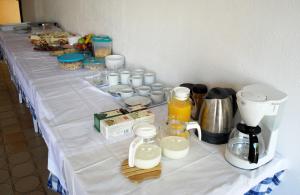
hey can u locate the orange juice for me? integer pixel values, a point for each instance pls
(180, 110)
(177, 128)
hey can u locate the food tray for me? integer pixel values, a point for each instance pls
(106, 89)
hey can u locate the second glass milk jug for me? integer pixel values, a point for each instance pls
(179, 105)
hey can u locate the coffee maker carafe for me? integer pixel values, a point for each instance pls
(253, 142)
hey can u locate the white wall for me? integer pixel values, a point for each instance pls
(32, 10)
(220, 43)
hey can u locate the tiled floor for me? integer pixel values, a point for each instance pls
(23, 153)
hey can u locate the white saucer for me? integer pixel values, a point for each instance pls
(134, 100)
(117, 88)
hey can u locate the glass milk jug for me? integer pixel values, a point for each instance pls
(179, 105)
(144, 151)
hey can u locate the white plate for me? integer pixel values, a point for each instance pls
(117, 88)
(131, 101)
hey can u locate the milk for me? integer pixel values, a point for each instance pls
(147, 156)
(175, 147)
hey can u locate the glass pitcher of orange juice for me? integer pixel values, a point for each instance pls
(181, 129)
(180, 105)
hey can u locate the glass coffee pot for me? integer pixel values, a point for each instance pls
(144, 151)
(246, 143)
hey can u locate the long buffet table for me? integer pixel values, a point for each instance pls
(63, 105)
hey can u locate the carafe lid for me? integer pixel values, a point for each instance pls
(181, 93)
(144, 130)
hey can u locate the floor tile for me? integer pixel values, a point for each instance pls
(2, 151)
(18, 158)
(39, 152)
(14, 137)
(4, 175)
(27, 184)
(6, 189)
(3, 164)
(22, 170)
(11, 129)
(30, 134)
(8, 122)
(37, 193)
(16, 147)
(35, 142)
(23, 153)
(8, 114)
(6, 108)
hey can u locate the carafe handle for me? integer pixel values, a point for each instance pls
(194, 125)
(132, 150)
(253, 149)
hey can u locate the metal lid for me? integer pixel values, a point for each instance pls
(144, 130)
(217, 93)
(181, 93)
(70, 57)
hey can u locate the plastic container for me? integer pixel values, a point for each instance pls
(72, 61)
(94, 64)
(102, 46)
(180, 106)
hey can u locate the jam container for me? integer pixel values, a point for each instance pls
(102, 46)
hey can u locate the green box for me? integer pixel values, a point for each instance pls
(98, 117)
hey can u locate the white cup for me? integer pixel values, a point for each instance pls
(144, 90)
(157, 97)
(126, 93)
(149, 78)
(113, 78)
(157, 86)
(138, 71)
(125, 74)
(135, 81)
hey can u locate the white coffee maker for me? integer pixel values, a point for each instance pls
(253, 142)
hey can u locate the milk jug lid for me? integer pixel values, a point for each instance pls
(144, 130)
(181, 93)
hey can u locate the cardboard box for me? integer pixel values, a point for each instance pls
(114, 123)
(116, 126)
(143, 116)
(105, 115)
(137, 107)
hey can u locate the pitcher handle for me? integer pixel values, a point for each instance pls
(194, 125)
(132, 150)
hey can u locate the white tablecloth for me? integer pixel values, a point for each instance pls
(85, 162)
